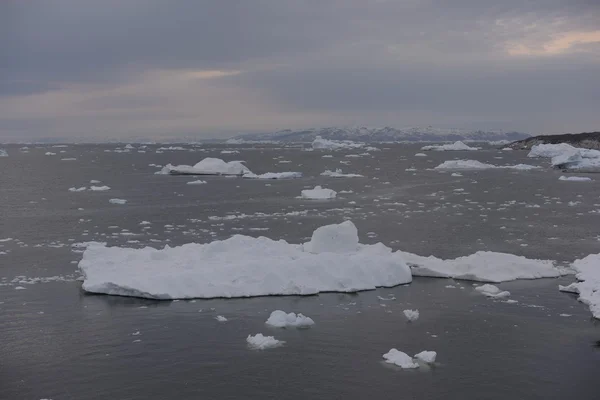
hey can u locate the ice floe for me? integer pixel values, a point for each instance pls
(411, 315)
(318, 193)
(117, 201)
(99, 188)
(492, 291)
(260, 342)
(427, 357)
(588, 286)
(566, 157)
(324, 144)
(474, 165)
(400, 359)
(243, 266)
(273, 175)
(281, 319)
(339, 174)
(483, 266)
(198, 182)
(456, 146)
(3, 153)
(574, 178)
(208, 166)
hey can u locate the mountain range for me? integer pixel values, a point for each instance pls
(386, 134)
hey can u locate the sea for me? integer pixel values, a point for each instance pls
(58, 342)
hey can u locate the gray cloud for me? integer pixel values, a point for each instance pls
(94, 68)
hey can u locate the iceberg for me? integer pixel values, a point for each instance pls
(99, 188)
(574, 178)
(117, 201)
(273, 175)
(208, 166)
(260, 342)
(280, 319)
(198, 182)
(587, 272)
(3, 153)
(427, 357)
(566, 157)
(483, 266)
(492, 291)
(318, 193)
(400, 359)
(411, 315)
(323, 144)
(244, 266)
(456, 146)
(339, 174)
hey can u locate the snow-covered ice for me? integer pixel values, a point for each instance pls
(566, 157)
(400, 359)
(420, 155)
(221, 318)
(318, 193)
(574, 178)
(99, 188)
(273, 175)
(244, 266)
(198, 182)
(260, 342)
(456, 146)
(411, 315)
(588, 286)
(339, 174)
(475, 165)
(484, 266)
(281, 319)
(208, 166)
(77, 189)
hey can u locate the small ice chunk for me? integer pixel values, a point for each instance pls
(117, 201)
(492, 291)
(411, 315)
(318, 193)
(260, 342)
(279, 319)
(221, 318)
(427, 357)
(400, 359)
(197, 182)
(99, 188)
(77, 189)
(574, 178)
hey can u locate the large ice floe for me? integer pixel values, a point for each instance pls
(566, 157)
(260, 342)
(456, 146)
(325, 144)
(318, 193)
(483, 266)
(3, 153)
(339, 174)
(208, 166)
(588, 286)
(243, 266)
(475, 165)
(281, 319)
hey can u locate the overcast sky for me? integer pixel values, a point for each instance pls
(156, 69)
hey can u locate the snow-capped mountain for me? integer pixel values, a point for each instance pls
(385, 134)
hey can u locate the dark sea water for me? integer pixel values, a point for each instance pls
(58, 342)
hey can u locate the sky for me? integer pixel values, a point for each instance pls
(155, 69)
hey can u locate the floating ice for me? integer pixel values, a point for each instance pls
(484, 266)
(400, 359)
(456, 146)
(99, 188)
(318, 193)
(3, 153)
(588, 286)
(77, 189)
(244, 266)
(492, 291)
(208, 166)
(117, 201)
(198, 182)
(567, 157)
(339, 174)
(260, 342)
(575, 178)
(280, 319)
(411, 315)
(427, 357)
(420, 155)
(273, 175)
(474, 164)
(221, 318)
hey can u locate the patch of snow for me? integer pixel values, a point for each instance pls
(456, 146)
(318, 193)
(244, 266)
(260, 342)
(280, 319)
(484, 266)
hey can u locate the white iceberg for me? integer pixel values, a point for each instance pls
(78, 189)
(427, 357)
(117, 201)
(574, 178)
(420, 155)
(588, 286)
(474, 165)
(456, 146)
(198, 182)
(318, 193)
(400, 359)
(339, 174)
(411, 315)
(281, 319)
(260, 342)
(550, 150)
(492, 291)
(3, 153)
(99, 188)
(221, 318)
(244, 266)
(324, 144)
(273, 175)
(566, 157)
(208, 166)
(483, 266)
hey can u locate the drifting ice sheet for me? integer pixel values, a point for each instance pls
(483, 266)
(318, 193)
(244, 266)
(588, 287)
(274, 175)
(208, 166)
(575, 178)
(456, 146)
(3, 153)
(566, 157)
(339, 174)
